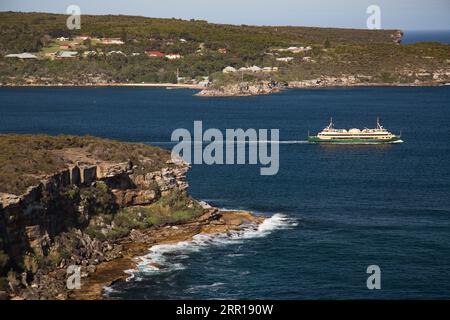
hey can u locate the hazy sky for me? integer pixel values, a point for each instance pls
(402, 14)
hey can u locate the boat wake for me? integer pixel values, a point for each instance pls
(237, 142)
(169, 257)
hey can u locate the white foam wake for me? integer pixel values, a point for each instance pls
(237, 142)
(397, 141)
(169, 257)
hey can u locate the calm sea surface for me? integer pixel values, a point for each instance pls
(442, 36)
(334, 210)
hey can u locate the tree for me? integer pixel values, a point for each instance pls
(88, 43)
(124, 35)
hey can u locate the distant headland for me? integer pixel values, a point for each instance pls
(36, 49)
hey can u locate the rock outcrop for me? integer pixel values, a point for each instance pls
(243, 89)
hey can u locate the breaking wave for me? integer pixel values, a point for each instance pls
(168, 257)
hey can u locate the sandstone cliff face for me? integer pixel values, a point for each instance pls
(48, 222)
(397, 36)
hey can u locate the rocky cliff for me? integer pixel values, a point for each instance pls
(76, 215)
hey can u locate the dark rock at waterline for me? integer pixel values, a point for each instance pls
(4, 295)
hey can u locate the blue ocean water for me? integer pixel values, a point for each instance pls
(414, 36)
(335, 209)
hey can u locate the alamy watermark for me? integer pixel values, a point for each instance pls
(228, 148)
(374, 19)
(74, 19)
(74, 277)
(374, 280)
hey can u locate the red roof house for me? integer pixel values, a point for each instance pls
(156, 54)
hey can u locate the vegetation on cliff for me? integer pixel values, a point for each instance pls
(25, 159)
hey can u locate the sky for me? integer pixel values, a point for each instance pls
(395, 14)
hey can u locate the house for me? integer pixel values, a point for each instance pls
(183, 40)
(294, 49)
(254, 69)
(222, 50)
(62, 39)
(66, 54)
(154, 54)
(82, 38)
(116, 52)
(229, 69)
(173, 56)
(285, 59)
(64, 47)
(24, 55)
(270, 69)
(111, 41)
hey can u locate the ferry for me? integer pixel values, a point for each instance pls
(330, 135)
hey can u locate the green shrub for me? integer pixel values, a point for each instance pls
(3, 283)
(95, 233)
(3, 260)
(131, 218)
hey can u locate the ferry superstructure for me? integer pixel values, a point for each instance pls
(354, 135)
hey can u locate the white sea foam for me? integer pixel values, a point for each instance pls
(166, 257)
(108, 290)
(210, 287)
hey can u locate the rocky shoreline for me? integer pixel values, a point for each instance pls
(139, 243)
(264, 88)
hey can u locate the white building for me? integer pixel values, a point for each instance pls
(116, 52)
(285, 59)
(229, 69)
(270, 69)
(67, 54)
(111, 41)
(173, 56)
(24, 55)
